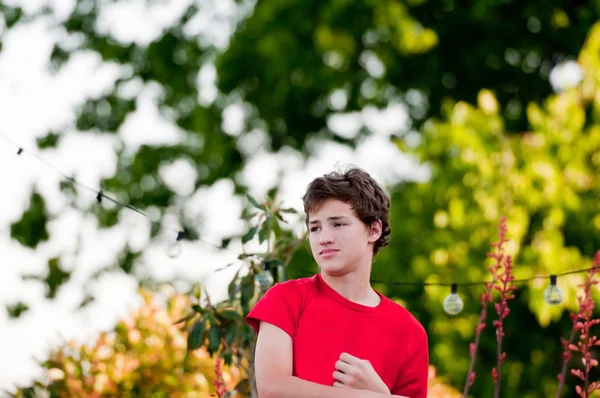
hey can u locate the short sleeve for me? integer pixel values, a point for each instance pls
(279, 306)
(413, 377)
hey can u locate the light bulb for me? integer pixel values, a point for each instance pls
(173, 249)
(553, 295)
(263, 280)
(453, 304)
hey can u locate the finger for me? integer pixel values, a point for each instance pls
(340, 385)
(343, 366)
(341, 377)
(349, 358)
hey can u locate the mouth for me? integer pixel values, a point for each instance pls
(327, 252)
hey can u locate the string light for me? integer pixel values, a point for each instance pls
(553, 295)
(173, 249)
(453, 304)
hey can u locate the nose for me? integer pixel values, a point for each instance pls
(325, 237)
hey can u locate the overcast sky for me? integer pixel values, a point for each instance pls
(33, 102)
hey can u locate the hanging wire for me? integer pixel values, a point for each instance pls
(513, 282)
(101, 195)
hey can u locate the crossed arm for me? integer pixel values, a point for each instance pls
(273, 364)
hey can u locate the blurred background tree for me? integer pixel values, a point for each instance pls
(476, 81)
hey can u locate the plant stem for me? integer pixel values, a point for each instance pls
(498, 362)
(251, 374)
(482, 317)
(566, 356)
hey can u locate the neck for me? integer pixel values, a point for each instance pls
(354, 286)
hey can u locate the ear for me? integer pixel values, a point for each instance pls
(375, 231)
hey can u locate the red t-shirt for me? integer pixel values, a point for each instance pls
(323, 324)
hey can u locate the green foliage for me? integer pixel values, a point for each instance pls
(17, 309)
(11, 15)
(546, 183)
(31, 229)
(54, 278)
(51, 140)
(104, 114)
(221, 327)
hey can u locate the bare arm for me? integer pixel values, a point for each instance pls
(273, 368)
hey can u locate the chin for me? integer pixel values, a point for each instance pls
(333, 269)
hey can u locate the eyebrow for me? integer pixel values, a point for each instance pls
(335, 218)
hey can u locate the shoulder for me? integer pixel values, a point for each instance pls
(405, 320)
(282, 305)
(294, 286)
(293, 289)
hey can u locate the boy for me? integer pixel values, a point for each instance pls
(332, 335)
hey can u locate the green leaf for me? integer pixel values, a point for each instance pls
(214, 339)
(247, 292)
(263, 234)
(249, 235)
(280, 218)
(197, 291)
(196, 335)
(227, 358)
(197, 308)
(233, 287)
(243, 387)
(276, 263)
(185, 318)
(230, 315)
(255, 203)
(290, 211)
(231, 335)
(248, 216)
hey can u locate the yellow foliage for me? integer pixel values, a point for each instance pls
(406, 34)
(143, 356)
(437, 389)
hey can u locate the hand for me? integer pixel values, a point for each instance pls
(356, 373)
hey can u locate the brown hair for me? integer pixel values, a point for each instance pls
(357, 188)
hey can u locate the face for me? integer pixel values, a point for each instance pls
(340, 242)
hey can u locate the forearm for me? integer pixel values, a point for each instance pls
(294, 387)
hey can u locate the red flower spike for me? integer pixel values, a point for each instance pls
(501, 278)
(582, 324)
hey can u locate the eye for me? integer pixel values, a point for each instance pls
(314, 229)
(338, 224)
